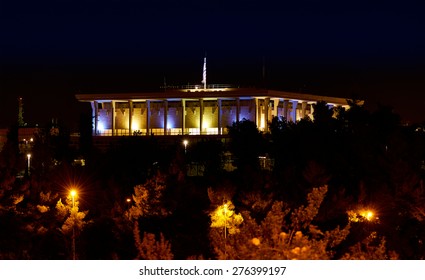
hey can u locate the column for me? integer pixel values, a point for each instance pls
(201, 115)
(148, 116)
(294, 110)
(219, 116)
(113, 117)
(312, 110)
(95, 114)
(257, 112)
(285, 109)
(183, 116)
(130, 117)
(275, 107)
(165, 116)
(303, 108)
(238, 109)
(266, 113)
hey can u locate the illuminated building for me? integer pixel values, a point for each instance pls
(195, 110)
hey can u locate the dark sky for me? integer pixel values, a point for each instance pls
(50, 50)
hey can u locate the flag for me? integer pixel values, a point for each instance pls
(204, 73)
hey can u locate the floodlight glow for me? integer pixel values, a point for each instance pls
(135, 125)
(100, 126)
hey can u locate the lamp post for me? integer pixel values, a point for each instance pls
(29, 163)
(128, 200)
(73, 194)
(225, 220)
(185, 142)
(225, 229)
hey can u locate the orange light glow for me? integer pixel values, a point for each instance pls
(368, 215)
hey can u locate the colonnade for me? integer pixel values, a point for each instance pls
(265, 109)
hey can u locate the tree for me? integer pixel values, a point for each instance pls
(86, 139)
(151, 249)
(322, 114)
(246, 143)
(275, 238)
(73, 220)
(148, 199)
(149, 203)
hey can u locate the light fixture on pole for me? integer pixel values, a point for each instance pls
(29, 163)
(128, 200)
(73, 194)
(185, 142)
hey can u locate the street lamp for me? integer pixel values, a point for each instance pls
(225, 219)
(29, 163)
(128, 200)
(367, 214)
(73, 194)
(225, 207)
(185, 142)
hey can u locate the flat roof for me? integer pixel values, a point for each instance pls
(178, 94)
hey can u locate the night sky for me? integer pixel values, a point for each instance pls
(51, 50)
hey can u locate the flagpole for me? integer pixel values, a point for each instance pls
(204, 73)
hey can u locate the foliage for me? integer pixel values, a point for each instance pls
(371, 248)
(149, 248)
(258, 202)
(364, 159)
(273, 238)
(322, 114)
(246, 143)
(225, 217)
(207, 153)
(304, 215)
(148, 199)
(70, 215)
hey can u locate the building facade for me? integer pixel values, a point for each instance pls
(193, 110)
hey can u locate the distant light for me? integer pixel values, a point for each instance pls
(28, 156)
(73, 193)
(128, 200)
(255, 241)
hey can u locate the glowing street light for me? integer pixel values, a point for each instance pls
(128, 201)
(367, 214)
(73, 195)
(185, 142)
(29, 163)
(362, 215)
